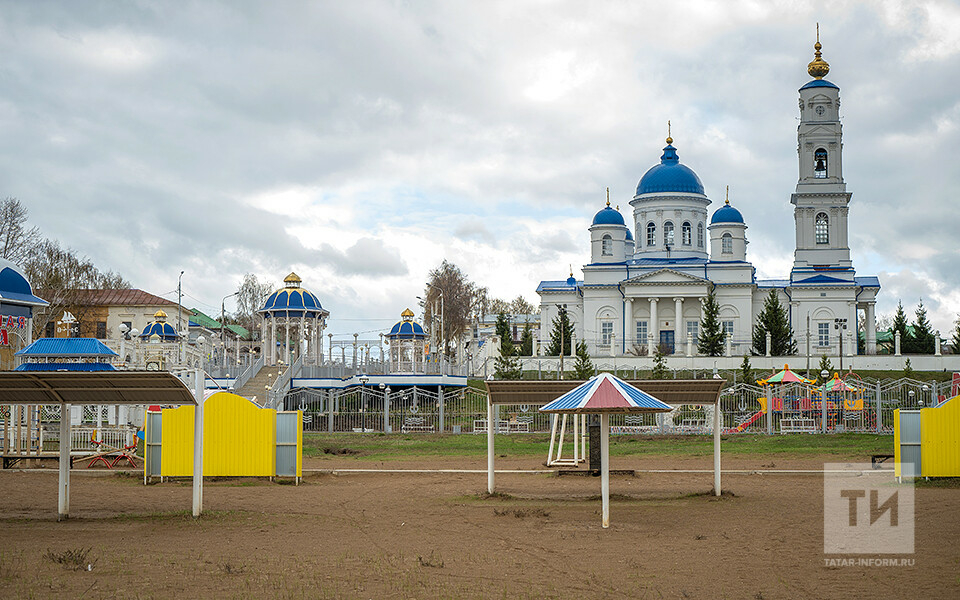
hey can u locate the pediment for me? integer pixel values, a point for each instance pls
(666, 276)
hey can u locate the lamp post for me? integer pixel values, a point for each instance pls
(840, 325)
(926, 388)
(180, 308)
(223, 340)
(442, 341)
(123, 346)
(363, 396)
(911, 394)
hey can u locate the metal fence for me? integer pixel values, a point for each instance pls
(794, 408)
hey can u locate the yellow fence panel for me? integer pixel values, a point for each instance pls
(940, 439)
(239, 439)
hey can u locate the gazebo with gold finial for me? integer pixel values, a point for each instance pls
(299, 313)
(407, 340)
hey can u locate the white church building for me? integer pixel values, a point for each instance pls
(649, 274)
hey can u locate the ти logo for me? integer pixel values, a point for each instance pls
(866, 511)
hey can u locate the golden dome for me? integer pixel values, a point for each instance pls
(292, 280)
(160, 315)
(818, 68)
(407, 314)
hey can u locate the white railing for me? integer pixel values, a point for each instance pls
(282, 384)
(82, 438)
(248, 374)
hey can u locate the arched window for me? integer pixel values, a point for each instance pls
(687, 234)
(606, 245)
(726, 243)
(699, 235)
(651, 234)
(821, 229)
(820, 164)
(668, 233)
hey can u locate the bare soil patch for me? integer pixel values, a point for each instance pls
(387, 535)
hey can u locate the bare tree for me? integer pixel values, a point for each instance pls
(17, 240)
(250, 297)
(520, 306)
(458, 300)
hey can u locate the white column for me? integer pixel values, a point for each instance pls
(490, 426)
(716, 448)
(678, 302)
(63, 489)
(853, 347)
(286, 330)
(936, 343)
(302, 337)
(654, 328)
(689, 344)
(870, 327)
(896, 343)
(605, 466)
(273, 340)
(198, 443)
(629, 329)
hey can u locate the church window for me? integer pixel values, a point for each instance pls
(641, 332)
(606, 332)
(606, 246)
(726, 243)
(668, 233)
(822, 228)
(693, 328)
(823, 334)
(686, 234)
(651, 234)
(699, 235)
(727, 327)
(820, 164)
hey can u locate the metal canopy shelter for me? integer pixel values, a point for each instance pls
(106, 388)
(675, 392)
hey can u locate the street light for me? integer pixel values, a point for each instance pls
(442, 354)
(223, 340)
(180, 307)
(840, 325)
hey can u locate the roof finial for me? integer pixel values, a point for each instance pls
(669, 138)
(571, 269)
(818, 68)
(608, 196)
(727, 203)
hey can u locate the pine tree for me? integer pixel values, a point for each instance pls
(900, 324)
(526, 340)
(507, 365)
(923, 341)
(660, 370)
(712, 336)
(583, 368)
(907, 369)
(955, 343)
(746, 373)
(824, 365)
(773, 318)
(561, 328)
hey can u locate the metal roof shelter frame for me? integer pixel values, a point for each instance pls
(676, 392)
(104, 388)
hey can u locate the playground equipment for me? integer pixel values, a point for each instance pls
(240, 439)
(927, 441)
(579, 441)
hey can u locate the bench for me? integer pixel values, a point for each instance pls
(798, 425)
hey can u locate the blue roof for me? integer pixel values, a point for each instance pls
(15, 287)
(726, 214)
(773, 283)
(67, 347)
(670, 176)
(66, 367)
(821, 279)
(292, 301)
(867, 281)
(608, 216)
(820, 83)
(629, 235)
(165, 330)
(407, 330)
(570, 284)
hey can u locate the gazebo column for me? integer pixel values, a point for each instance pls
(286, 344)
(605, 466)
(302, 337)
(716, 448)
(63, 489)
(273, 340)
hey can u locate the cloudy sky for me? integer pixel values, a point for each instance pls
(361, 143)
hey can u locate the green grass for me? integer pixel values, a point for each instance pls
(380, 447)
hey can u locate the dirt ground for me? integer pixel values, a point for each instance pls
(438, 536)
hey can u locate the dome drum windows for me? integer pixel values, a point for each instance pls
(821, 228)
(651, 234)
(686, 234)
(668, 233)
(820, 164)
(726, 243)
(606, 246)
(699, 235)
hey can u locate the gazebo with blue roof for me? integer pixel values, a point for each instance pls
(17, 302)
(294, 308)
(66, 354)
(406, 340)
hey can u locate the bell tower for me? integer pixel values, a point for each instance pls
(821, 200)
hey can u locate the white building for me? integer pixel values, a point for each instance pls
(645, 281)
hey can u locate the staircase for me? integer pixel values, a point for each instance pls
(258, 383)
